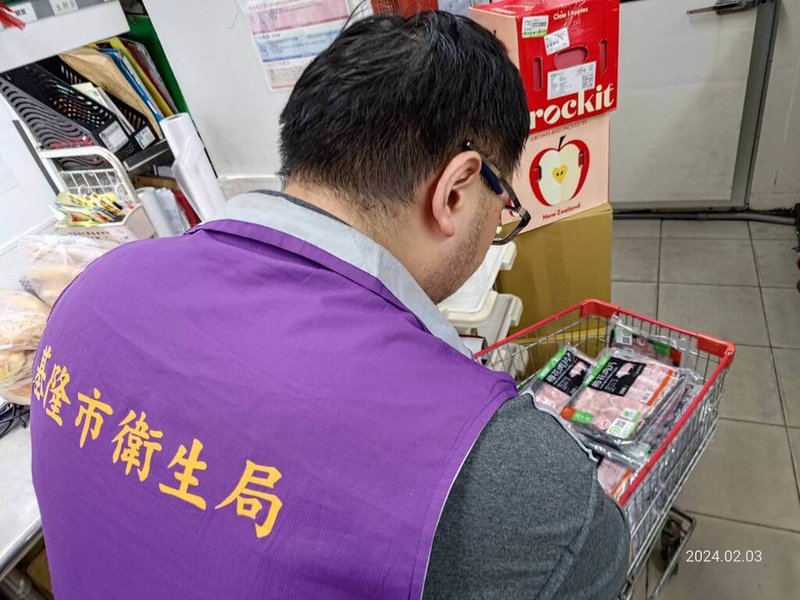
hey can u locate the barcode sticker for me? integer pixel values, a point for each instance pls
(24, 12)
(558, 40)
(114, 137)
(570, 80)
(145, 137)
(62, 6)
(534, 26)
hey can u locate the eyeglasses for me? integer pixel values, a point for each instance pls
(518, 218)
(12, 415)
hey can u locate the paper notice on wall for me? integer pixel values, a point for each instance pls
(290, 33)
(283, 74)
(570, 80)
(299, 42)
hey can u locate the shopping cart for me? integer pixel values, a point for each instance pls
(648, 501)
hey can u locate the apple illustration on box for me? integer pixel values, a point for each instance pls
(558, 174)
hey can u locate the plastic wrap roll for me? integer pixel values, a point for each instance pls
(157, 216)
(177, 219)
(192, 168)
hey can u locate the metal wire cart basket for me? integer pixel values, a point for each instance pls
(648, 501)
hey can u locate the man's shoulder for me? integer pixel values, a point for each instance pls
(525, 510)
(531, 447)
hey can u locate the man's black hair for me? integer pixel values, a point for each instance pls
(393, 99)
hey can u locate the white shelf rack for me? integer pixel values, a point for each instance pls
(55, 34)
(475, 304)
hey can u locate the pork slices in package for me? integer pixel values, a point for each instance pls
(661, 348)
(622, 395)
(555, 383)
(614, 477)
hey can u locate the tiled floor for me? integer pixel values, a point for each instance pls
(737, 281)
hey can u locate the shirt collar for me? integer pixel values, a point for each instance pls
(313, 225)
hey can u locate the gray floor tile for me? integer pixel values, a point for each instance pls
(787, 364)
(728, 312)
(775, 577)
(751, 392)
(637, 228)
(640, 588)
(777, 263)
(639, 297)
(746, 474)
(783, 316)
(726, 262)
(770, 231)
(721, 230)
(635, 260)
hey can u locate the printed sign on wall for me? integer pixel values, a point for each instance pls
(290, 33)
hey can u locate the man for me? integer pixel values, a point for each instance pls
(271, 406)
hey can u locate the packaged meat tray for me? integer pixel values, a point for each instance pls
(622, 394)
(613, 477)
(663, 349)
(555, 383)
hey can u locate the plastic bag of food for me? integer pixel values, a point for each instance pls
(22, 320)
(622, 396)
(555, 383)
(53, 261)
(668, 350)
(16, 375)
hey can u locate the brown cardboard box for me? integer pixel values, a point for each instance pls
(560, 264)
(40, 574)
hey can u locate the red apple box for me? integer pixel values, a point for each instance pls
(564, 171)
(566, 51)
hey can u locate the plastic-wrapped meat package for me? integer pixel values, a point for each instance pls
(555, 383)
(661, 348)
(622, 395)
(613, 477)
(668, 419)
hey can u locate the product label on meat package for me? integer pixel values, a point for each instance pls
(621, 428)
(622, 336)
(565, 371)
(615, 375)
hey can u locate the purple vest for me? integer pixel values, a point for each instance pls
(236, 413)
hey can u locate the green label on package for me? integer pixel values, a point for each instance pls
(583, 417)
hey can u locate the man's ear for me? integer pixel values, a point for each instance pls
(448, 196)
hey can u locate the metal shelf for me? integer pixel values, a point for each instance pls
(43, 37)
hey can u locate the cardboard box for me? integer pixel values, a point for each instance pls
(566, 52)
(561, 264)
(564, 171)
(39, 573)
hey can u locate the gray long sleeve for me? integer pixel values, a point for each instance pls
(526, 518)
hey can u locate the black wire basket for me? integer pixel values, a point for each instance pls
(143, 133)
(61, 117)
